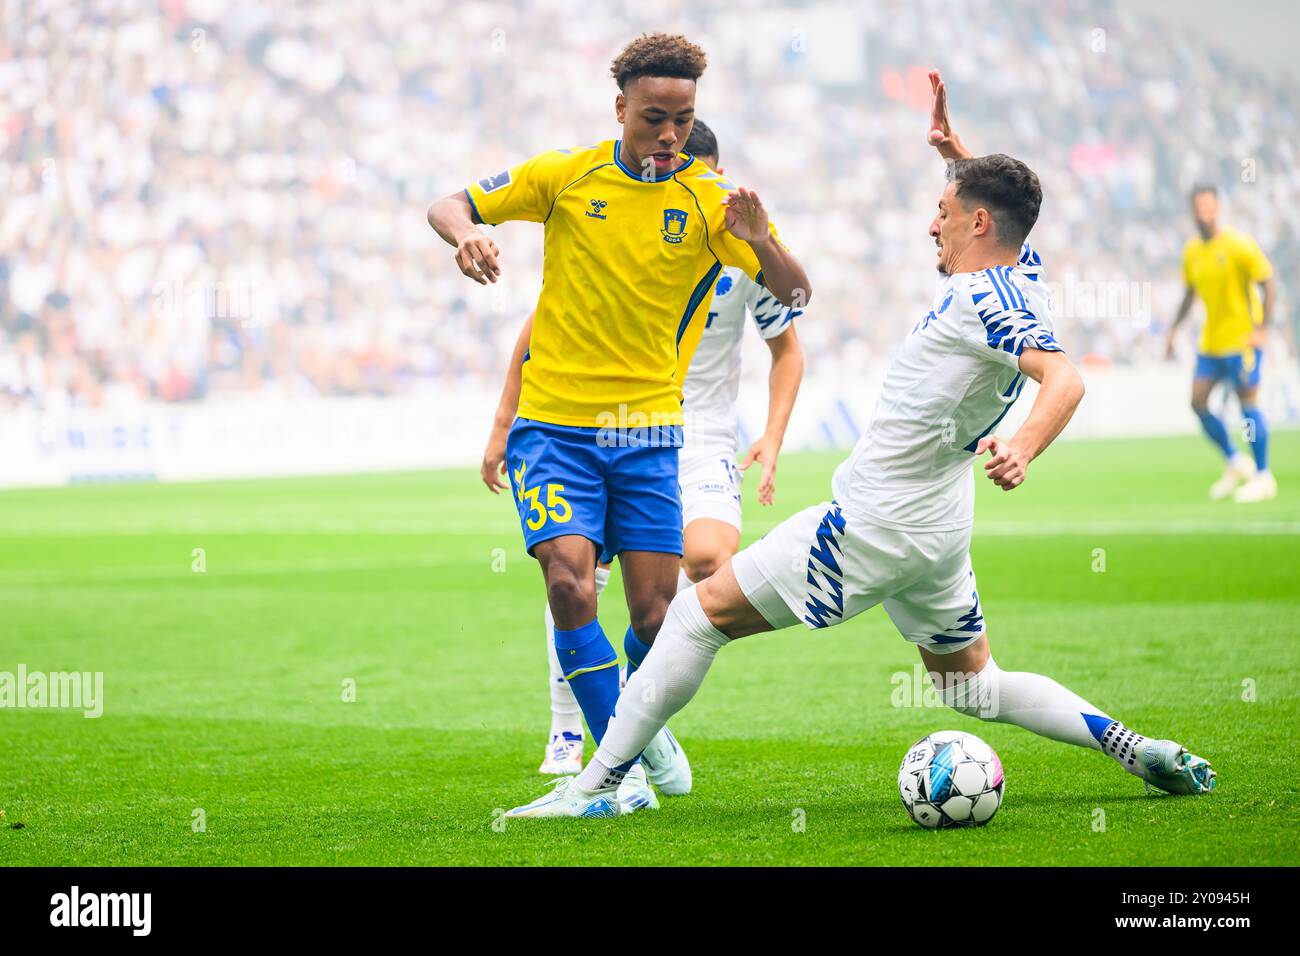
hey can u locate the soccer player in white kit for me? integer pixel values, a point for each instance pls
(710, 474)
(898, 529)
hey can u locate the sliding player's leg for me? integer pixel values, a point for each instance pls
(811, 565)
(818, 566)
(1238, 468)
(1263, 486)
(941, 614)
(710, 496)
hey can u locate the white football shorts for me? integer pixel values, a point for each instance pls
(710, 485)
(822, 567)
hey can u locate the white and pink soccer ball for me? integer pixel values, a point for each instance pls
(951, 779)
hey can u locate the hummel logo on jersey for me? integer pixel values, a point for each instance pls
(596, 206)
(495, 182)
(674, 229)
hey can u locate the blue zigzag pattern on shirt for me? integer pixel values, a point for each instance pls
(771, 316)
(1030, 264)
(1009, 323)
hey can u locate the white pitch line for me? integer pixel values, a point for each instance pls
(443, 529)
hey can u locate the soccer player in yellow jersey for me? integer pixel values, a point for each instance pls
(637, 233)
(1226, 269)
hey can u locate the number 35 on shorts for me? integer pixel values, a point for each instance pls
(556, 508)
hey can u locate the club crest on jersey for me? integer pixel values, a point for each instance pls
(674, 229)
(596, 210)
(724, 286)
(495, 182)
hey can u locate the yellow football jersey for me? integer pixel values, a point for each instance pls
(629, 264)
(1224, 272)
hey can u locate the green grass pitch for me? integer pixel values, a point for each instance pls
(224, 690)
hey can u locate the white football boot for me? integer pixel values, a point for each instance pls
(1169, 767)
(563, 754)
(666, 764)
(1239, 471)
(1263, 487)
(635, 792)
(567, 799)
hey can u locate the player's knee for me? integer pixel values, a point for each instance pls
(569, 594)
(1200, 405)
(647, 617)
(973, 693)
(704, 563)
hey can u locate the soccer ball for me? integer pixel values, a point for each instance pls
(951, 779)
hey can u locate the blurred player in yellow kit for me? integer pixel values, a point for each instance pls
(1226, 269)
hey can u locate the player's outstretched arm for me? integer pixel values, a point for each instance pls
(942, 137)
(1269, 289)
(1059, 393)
(452, 218)
(782, 387)
(494, 456)
(782, 274)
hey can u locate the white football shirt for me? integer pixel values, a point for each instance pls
(950, 384)
(713, 378)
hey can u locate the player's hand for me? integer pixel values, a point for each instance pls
(493, 469)
(1008, 465)
(1258, 337)
(942, 137)
(746, 217)
(476, 255)
(764, 451)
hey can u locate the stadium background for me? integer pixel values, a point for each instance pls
(214, 261)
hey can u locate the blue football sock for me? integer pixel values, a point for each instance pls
(591, 668)
(1218, 434)
(1259, 442)
(635, 651)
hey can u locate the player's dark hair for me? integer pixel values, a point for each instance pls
(658, 54)
(1006, 187)
(702, 142)
(1210, 188)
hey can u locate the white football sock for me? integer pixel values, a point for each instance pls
(566, 715)
(1041, 705)
(666, 680)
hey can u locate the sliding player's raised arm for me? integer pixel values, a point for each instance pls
(942, 137)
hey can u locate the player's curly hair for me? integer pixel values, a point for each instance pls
(658, 54)
(1007, 188)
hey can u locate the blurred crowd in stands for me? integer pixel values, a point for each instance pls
(202, 198)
